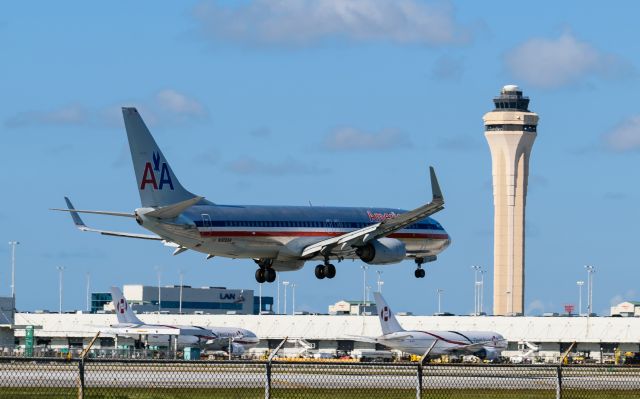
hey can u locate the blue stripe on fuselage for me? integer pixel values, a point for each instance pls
(295, 216)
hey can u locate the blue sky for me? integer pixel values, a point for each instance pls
(333, 102)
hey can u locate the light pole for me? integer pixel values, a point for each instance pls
(13, 271)
(278, 297)
(580, 283)
(590, 270)
(482, 291)
(181, 284)
(286, 284)
(293, 299)
(159, 272)
(60, 271)
(88, 289)
(440, 291)
(364, 287)
(259, 298)
(476, 290)
(379, 272)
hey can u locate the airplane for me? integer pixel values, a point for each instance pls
(218, 338)
(483, 344)
(277, 238)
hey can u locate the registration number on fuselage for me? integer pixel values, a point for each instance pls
(224, 239)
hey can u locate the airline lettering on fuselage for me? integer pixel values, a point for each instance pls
(228, 296)
(149, 177)
(380, 217)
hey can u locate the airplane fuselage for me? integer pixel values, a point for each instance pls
(214, 339)
(281, 232)
(446, 342)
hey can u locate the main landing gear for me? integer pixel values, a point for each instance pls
(419, 272)
(265, 272)
(327, 270)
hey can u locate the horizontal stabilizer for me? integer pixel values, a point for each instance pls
(77, 220)
(172, 211)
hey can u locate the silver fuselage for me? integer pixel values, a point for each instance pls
(281, 232)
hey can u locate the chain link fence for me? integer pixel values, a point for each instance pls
(141, 379)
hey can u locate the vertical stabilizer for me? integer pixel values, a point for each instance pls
(388, 320)
(123, 312)
(157, 184)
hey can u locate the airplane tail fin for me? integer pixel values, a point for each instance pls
(157, 184)
(123, 311)
(388, 320)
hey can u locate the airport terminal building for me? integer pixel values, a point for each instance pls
(595, 337)
(185, 300)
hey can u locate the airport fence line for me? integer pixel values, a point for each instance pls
(124, 378)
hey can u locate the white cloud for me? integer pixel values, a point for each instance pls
(348, 138)
(178, 103)
(300, 22)
(168, 106)
(252, 166)
(625, 136)
(550, 63)
(74, 114)
(535, 307)
(448, 68)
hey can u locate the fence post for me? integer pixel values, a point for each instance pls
(559, 382)
(81, 378)
(419, 385)
(267, 384)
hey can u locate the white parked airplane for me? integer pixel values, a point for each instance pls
(219, 338)
(483, 344)
(277, 238)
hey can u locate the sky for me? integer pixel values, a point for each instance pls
(333, 102)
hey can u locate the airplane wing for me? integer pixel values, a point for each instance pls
(382, 229)
(83, 227)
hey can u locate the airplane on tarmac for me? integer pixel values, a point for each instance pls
(483, 344)
(218, 338)
(277, 238)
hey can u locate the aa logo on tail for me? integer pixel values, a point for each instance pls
(149, 176)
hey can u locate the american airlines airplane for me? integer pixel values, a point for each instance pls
(277, 238)
(483, 344)
(218, 338)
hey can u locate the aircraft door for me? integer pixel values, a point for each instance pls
(206, 220)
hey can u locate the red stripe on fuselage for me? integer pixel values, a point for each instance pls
(225, 233)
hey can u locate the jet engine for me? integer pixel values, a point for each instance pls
(488, 354)
(237, 349)
(382, 251)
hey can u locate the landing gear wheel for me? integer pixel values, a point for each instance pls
(420, 273)
(260, 276)
(329, 270)
(270, 275)
(320, 272)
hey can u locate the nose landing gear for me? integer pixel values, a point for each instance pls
(419, 272)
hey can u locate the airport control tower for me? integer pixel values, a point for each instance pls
(510, 130)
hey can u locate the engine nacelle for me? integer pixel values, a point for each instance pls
(237, 349)
(382, 251)
(488, 354)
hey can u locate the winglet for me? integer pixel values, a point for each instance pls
(435, 187)
(74, 215)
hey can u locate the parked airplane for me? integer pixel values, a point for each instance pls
(483, 344)
(218, 338)
(277, 238)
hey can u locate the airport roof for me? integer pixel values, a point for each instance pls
(322, 327)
